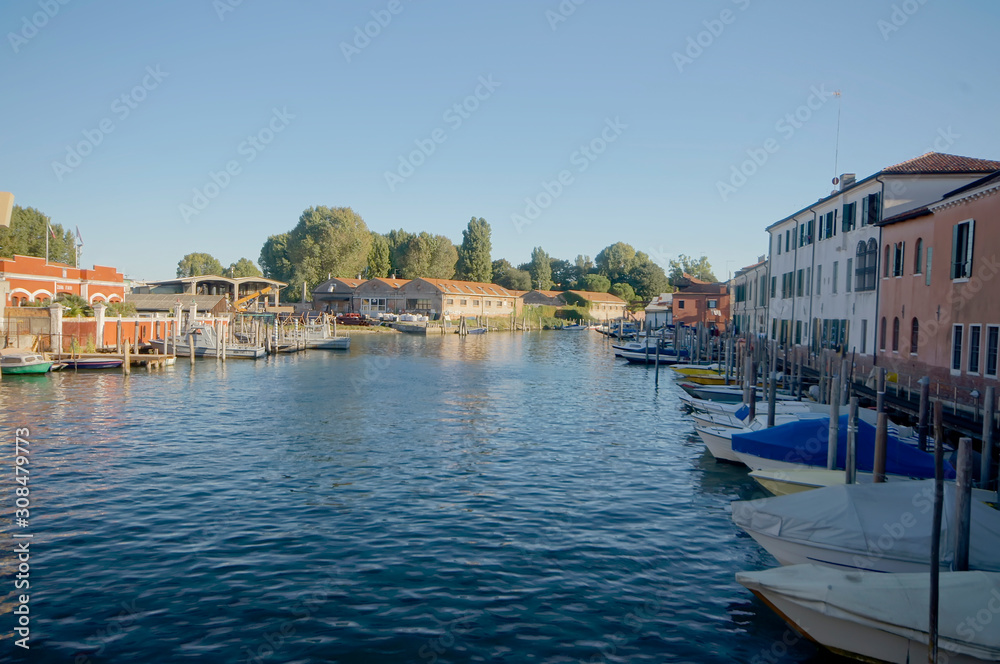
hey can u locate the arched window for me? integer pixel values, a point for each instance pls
(872, 264)
(895, 335)
(918, 257)
(881, 339)
(885, 262)
(914, 335)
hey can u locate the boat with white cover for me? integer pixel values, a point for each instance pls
(883, 527)
(885, 617)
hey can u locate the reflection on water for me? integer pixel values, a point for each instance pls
(499, 497)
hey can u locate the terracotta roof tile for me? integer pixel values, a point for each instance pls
(938, 162)
(598, 297)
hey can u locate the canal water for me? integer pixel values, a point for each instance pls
(497, 498)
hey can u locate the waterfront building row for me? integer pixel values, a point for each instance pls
(894, 268)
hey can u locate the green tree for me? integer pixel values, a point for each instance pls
(616, 261)
(596, 283)
(583, 265)
(26, 237)
(244, 267)
(474, 254)
(274, 258)
(647, 278)
(425, 255)
(444, 257)
(515, 279)
(699, 269)
(564, 273)
(197, 264)
(540, 269)
(398, 241)
(123, 309)
(74, 305)
(500, 267)
(624, 291)
(379, 262)
(328, 241)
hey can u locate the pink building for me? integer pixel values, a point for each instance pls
(939, 308)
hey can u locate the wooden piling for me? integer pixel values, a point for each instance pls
(751, 388)
(923, 412)
(127, 363)
(963, 504)
(191, 346)
(851, 453)
(772, 397)
(831, 447)
(987, 454)
(932, 641)
(881, 432)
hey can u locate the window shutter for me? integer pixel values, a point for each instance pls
(955, 258)
(864, 211)
(968, 249)
(927, 269)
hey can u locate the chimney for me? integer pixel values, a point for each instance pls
(846, 180)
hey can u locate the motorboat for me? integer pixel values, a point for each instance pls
(719, 439)
(81, 363)
(24, 362)
(884, 527)
(885, 617)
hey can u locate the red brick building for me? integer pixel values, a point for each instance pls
(697, 301)
(31, 279)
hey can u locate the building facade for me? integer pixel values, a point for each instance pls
(380, 295)
(748, 297)
(450, 299)
(939, 312)
(824, 259)
(30, 279)
(336, 295)
(602, 306)
(701, 302)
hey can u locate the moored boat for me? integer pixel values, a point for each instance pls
(206, 344)
(79, 363)
(24, 362)
(884, 617)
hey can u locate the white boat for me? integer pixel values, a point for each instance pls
(797, 480)
(784, 406)
(206, 344)
(24, 362)
(870, 527)
(885, 617)
(728, 393)
(732, 420)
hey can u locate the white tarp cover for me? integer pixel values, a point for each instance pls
(894, 603)
(890, 520)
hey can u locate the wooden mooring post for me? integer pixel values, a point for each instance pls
(851, 453)
(963, 504)
(932, 641)
(881, 431)
(831, 446)
(986, 468)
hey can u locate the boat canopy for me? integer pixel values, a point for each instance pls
(886, 520)
(805, 442)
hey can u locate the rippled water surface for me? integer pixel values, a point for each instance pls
(498, 498)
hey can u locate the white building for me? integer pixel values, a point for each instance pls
(748, 296)
(659, 311)
(824, 259)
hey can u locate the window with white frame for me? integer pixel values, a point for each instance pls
(992, 339)
(956, 347)
(975, 345)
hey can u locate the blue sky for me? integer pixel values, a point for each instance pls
(618, 120)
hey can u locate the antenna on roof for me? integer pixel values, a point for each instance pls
(836, 149)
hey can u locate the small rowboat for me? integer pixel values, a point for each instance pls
(19, 363)
(91, 363)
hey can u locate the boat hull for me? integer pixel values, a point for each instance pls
(336, 343)
(28, 369)
(91, 363)
(182, 350)
(720, 446)
(789, 552)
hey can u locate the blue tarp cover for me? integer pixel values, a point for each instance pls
(805, 442)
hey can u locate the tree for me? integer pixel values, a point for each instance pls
(197, 264)
(515, 279)
(540, 269)
(595, 283)
(564, 273)
(699, 269)
(244, 267)
(444, 256)
(123, 309)
(647, 278)
(26, 237)
(474, 254)
(624, 291)
(397, 241)
(274, 258)
(583, 265)
(379, 262)
(328, 241)
(500, 268)
(426, 255)
(74, 305)
(616, 261)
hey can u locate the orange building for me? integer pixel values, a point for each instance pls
(31, 279)
(697, 301)
(939, 313)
